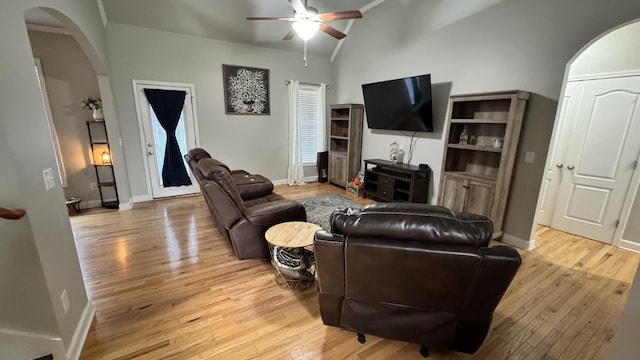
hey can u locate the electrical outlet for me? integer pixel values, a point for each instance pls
(65, 300)
(49, 181)
(529, 156)
(93, 186)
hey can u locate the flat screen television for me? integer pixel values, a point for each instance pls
(400, 104)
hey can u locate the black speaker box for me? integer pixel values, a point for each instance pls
(322, 164)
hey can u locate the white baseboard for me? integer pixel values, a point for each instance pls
(80, 335)
(126, 206)
(629, 245)
(519, 243)
(279, 182)
(27, 345)
(308, 179)
(140, 198)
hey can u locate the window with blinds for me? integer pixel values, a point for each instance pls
(310, 123)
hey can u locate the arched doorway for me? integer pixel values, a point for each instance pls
(591, 180)
(86, 181)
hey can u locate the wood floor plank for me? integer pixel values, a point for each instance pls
(166, 285)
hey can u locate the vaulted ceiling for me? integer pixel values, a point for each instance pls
(225, 19)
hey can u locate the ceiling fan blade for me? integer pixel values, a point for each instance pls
(341, 15)
(290, 35)
(298, 6)
(269, 18)
(332, 31)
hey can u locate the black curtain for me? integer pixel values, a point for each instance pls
(167, 104)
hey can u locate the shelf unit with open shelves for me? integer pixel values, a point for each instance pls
(477, 168)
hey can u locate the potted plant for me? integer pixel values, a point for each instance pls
(94, 104)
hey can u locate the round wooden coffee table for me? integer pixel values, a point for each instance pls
(291, 245)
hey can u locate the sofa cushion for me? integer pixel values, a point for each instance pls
(275, 212)
(262, 200)
(223, 178)
(252, 186)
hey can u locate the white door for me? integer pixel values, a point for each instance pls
(153, 137)
(553, 173)
(602, 150)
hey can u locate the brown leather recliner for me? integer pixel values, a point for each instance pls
(242, 220)
(412, 272)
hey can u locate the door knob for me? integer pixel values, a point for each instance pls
(570, 167)
(559, 165)
(149, 145)
(149, 152)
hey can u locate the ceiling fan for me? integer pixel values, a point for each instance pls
(306, 21)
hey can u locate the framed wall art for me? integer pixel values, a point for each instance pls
(246, 90)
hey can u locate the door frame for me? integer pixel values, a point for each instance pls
(559, 125)
(143, 150)
(57, 152)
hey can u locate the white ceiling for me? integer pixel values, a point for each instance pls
(225, 19)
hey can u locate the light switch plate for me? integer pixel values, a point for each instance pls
(529, 156)
(49, 181)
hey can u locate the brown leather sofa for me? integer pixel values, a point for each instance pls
(249, 185)
(412, 272)
(242, 216)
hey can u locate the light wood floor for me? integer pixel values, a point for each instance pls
(166, 285)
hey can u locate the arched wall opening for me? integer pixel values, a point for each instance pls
(104, 92)
(609, 55)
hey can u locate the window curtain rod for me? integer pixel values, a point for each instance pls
(287, 82)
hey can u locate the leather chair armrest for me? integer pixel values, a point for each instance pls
(239, 172)
(493, 277)
(329, 250)
(504, 253)
(275, 212)
(499, 266)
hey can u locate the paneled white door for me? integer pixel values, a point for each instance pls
(553, 173)
(153, 138)
(602, 148)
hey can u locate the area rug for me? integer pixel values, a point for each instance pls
(319, 208)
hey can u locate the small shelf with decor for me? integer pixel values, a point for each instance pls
(101, 153)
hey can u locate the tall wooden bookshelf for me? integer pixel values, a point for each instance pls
(476, 169)
(345, 142)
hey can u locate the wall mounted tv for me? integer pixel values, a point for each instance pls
(400, 104)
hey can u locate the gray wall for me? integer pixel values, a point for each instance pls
(28, 144)
(256, 143)
(515, 44)
(69, 77)
(25, 301)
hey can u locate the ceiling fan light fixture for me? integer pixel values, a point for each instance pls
(306, 29)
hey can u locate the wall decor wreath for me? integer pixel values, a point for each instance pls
(246, 90)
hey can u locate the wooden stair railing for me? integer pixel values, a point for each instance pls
(11, 214)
